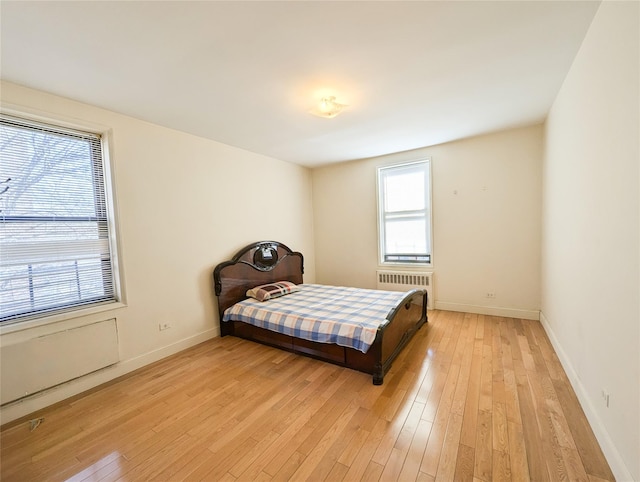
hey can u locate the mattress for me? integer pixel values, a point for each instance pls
(345, 316)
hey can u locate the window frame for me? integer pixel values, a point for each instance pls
(382, 262)
(54, 315)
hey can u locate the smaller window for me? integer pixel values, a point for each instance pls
(404, 210)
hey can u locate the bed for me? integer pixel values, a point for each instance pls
(271, 262)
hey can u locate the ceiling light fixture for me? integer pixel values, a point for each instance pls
(328, 107)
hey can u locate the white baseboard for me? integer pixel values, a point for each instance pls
(38, 401)
(616, 462)
(489, 310)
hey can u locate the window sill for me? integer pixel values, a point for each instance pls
(36, 322)
(410, 266)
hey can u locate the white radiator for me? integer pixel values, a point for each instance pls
(406, 280)
(33, 365)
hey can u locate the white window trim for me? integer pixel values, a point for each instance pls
(28, 323)
(108, 166)
(408, 266)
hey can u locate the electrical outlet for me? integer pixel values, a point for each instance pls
(164, 326)
(491, 295)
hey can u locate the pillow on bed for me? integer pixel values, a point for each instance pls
(272, 290)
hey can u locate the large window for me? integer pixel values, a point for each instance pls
(55, 244)
(405, 213)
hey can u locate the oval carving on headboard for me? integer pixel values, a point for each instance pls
(265, 257)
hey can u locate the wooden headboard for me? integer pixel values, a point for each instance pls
(256, 264)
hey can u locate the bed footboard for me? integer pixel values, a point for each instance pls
(406, 320)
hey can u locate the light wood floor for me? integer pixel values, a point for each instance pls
(473, 397)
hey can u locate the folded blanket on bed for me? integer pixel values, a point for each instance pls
(327, 314)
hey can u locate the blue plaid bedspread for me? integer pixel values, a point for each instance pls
(327, 314)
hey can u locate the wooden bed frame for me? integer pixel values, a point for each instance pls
(268, 261)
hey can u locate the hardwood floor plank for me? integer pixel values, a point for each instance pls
(95, 467)
(550, 447)
(483, 460)
(373, 472)
(337, 416)
(412, 462)
(470, 418)
(508, 363)
(532, 436)
(428, 363)
(574, 466)
(391, 435)
(359, 465)
(465, 464)
(260, 447)
(485, 402)
(227, 458)
(501, 467)
(287, 470)
(517, 453)
(432, 452)
(179, 469)
(462, 384)
(350, 452)
(324, 444)
(288, 442)
(499, 434)
(431, 458)
(341, 440)
(422, 477)
(55, 468)
(337, 472)
(147, 467)
(409, 427)
(449, 453)
(394, 465)
(593, 478)
(108, 470)
(435, 394)
(559, 424)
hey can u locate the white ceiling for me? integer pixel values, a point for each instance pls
(246, 73)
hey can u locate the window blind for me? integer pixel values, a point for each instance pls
(54, 230)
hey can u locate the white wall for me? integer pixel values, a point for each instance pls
(486, 223)
(185, 204)
(590, 258)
